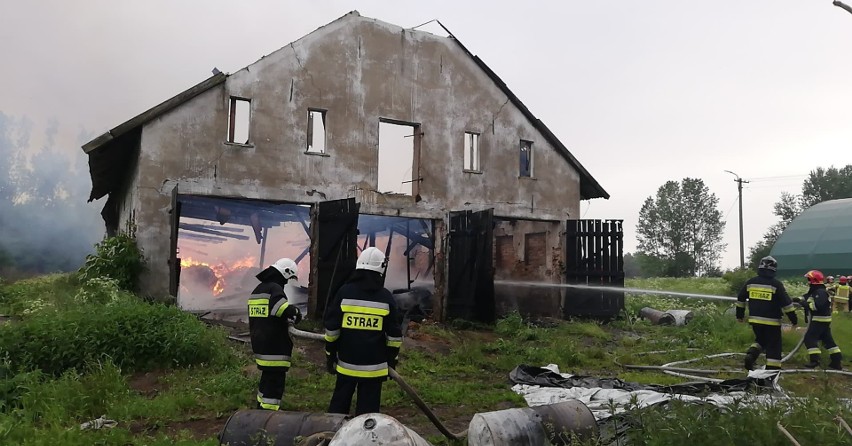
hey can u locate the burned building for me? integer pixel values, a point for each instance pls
(361, 133)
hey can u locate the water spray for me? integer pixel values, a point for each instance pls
(615, 289)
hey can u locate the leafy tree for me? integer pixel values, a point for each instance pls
(821, 185)
(827, 184)
(680, 230)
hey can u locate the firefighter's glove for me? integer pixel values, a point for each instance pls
(330, 365)
(797, 299)
(392, 363)
(297, 316)
(794, 319)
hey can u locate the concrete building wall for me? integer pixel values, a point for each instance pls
(360, 71)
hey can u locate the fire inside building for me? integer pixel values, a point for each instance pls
(359, 134)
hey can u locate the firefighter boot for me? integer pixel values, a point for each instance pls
(751, 357)
(835, 361)
(815, 361)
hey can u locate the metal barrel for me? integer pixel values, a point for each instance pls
(376, 429)
(275, 428)
(681, 317)
(553, 424)
(657, 317)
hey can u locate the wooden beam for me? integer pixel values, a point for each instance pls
(195, 228)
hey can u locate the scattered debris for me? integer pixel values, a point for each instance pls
(99, 423)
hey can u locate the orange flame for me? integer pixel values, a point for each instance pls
(219, 270)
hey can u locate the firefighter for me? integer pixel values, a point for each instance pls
(819, 330)
(363, 336)
(841, 295)
(767, 300)
(830, 286)
(269, 313)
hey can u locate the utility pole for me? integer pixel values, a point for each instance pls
(740, 182)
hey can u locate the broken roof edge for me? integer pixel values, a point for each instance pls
(154, 112)
(593, 189)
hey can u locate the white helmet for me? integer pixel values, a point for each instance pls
(372, 259)
(287, 268)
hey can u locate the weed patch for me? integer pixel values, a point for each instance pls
(133, 334)
(117, 258)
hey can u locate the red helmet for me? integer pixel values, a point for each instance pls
(815, 277)
(843, 280)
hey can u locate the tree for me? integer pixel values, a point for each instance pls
(680, 230)
(821, 185)
(827, 184)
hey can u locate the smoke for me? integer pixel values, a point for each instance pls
(45, 223)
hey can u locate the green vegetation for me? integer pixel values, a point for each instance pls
(117, 258)
(77, 350)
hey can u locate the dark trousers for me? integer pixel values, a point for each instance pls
(369, 395)
(767, 339)
(819, 332)
(271, 388)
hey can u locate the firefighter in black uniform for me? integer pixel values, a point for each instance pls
(363, 336)
(767, 299)
(269, 312)
(819, 330)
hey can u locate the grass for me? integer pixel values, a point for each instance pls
(169, 379)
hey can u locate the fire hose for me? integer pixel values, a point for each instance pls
(405, 387)
(672, 368)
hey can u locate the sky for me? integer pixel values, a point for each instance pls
(640, 92)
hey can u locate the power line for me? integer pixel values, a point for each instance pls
(736, 199)
(778, 177)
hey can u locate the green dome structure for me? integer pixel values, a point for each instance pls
(819, 238)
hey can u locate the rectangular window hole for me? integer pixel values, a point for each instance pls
(316, 131)
(471, 151)
(396, 158)
(526, 160)
(239, 117)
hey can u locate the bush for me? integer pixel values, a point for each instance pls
(133, 334)
(117, 258)
(737, 278)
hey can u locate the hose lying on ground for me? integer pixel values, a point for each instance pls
(671, 369)
(405, 387)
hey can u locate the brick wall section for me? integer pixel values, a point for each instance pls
(528, 251)
(504, 252)
(535, 249)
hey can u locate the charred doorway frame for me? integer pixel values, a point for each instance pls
(176, 211)
(470, 270)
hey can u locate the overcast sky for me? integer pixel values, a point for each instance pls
(641, 92)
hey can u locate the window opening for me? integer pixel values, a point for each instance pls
(471, 151)
(526, 159)
(239, 116)
(396, 158)
(316, 131)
